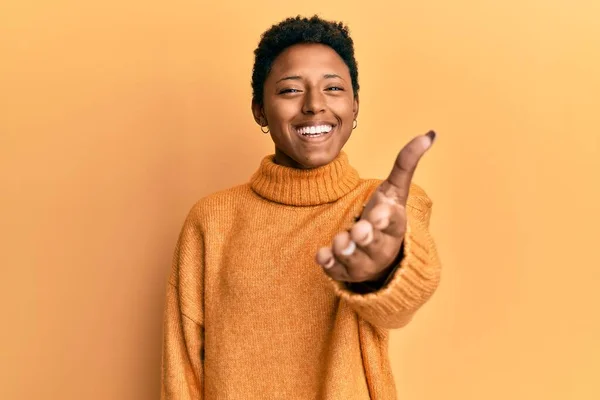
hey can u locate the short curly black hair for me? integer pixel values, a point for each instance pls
(301, 30)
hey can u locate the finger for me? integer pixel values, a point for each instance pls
(390, 219)
(330, 265)
(380, 247)
(387, 217)
(406, 163)
(356, 262)
(366, 237)
(380, 215)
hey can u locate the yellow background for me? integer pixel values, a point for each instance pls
(117, 115)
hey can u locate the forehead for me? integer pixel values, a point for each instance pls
(309, 58)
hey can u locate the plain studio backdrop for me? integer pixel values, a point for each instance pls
(117, 115)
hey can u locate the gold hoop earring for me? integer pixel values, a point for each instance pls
(261, 129)
(354, 125)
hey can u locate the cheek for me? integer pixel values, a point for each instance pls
(344, 109)
(281, 112)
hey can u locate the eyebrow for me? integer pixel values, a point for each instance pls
(297, 77)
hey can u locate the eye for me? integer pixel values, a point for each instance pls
(334, 88)
(290, 90)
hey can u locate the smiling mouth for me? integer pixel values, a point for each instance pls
(314, 131)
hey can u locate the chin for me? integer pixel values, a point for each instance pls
(315, 159)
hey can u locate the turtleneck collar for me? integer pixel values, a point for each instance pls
(304, 187)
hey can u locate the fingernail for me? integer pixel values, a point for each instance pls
(329, 263)
(367, 239)
(349, 250)
(431, 135)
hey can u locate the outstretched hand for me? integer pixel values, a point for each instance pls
(368, 250)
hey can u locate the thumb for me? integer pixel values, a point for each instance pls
(406, 162)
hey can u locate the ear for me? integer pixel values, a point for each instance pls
(259, 114)
(355, 106)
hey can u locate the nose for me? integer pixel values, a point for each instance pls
(314, 102)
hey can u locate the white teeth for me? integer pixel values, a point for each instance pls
(315, 130)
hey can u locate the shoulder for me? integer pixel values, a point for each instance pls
(218, 204)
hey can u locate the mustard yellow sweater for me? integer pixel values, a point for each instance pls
(250, 315)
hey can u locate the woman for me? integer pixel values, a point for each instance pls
(249, 315)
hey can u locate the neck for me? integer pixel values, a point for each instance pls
(281, 158)
(284, 160)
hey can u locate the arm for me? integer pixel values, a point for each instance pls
(183, 344)
(411, 282)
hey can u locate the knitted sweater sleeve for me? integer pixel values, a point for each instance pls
(414, 280)
(183, 328)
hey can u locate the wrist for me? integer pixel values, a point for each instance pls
(381, 280)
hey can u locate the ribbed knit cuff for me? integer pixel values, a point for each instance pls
(410, 286)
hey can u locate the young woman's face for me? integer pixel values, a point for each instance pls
(309, 105)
